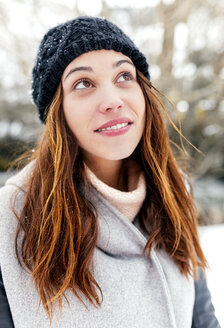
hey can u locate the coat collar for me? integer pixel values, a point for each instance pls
(117, 235)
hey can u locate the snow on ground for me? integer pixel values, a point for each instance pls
(212, 242)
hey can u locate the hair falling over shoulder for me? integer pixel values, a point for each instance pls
(59, 225)
(169, 208)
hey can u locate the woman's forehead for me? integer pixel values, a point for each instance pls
(97, 57)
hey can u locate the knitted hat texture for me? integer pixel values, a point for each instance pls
(65, 42)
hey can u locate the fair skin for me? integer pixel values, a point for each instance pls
(105, 109)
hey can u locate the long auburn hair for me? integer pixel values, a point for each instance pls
(58, 225)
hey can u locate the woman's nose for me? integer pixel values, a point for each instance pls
(110, 99)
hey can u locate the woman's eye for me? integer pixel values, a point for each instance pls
(125, 77)
(83, 84)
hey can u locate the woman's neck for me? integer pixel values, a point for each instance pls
(110, 172)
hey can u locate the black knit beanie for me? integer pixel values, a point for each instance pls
(65, 42)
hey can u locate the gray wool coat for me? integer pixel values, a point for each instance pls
(137, 291)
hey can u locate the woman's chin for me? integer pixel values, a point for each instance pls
(117, 157)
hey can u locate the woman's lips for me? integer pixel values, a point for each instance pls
(115, 131)
(115, 123)
(115, 127)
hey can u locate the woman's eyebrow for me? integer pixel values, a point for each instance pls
(122, 61)
(80, 68)
(89, 69)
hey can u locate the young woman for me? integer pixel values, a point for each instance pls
(99, 229)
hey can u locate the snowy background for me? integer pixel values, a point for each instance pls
(190, 33)
(212, 241)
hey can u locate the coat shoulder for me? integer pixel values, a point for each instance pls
(12, 197)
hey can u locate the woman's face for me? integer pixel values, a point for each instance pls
(103, 104)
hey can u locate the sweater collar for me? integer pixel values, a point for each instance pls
(128, 203)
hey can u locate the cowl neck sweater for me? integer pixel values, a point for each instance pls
(127, 202)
